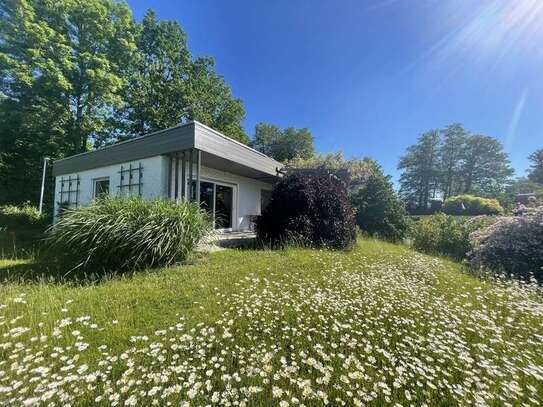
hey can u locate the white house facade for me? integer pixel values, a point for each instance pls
(229, 179)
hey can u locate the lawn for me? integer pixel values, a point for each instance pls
(378, 325)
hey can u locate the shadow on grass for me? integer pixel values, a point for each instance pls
(31, 270)
(20, 244)
(22, 271)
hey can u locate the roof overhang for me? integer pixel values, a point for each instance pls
(218, 151)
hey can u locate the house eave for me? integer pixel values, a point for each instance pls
(222, 151)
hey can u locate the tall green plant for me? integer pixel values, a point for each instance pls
(378, 210)
(441, 234)
(124, 234)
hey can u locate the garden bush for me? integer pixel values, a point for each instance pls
(21, 228)
(440, 234)
(308, 209)
(379, 212)
(447, 235)
(125, 234)
(471, 205)
(513, 245)
(21, 217)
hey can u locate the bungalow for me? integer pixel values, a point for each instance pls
(187, 162)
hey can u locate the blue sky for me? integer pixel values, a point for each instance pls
(367, 77)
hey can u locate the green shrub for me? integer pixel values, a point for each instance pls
(441, 234)
(378, 210)
(118, 234)
(21, 217)
(21, 228)
(310, 210)
(471, 205)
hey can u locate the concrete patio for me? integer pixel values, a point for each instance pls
(218, 241)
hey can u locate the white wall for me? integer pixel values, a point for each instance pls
(154, 181)
(155, 184)
(246, 193)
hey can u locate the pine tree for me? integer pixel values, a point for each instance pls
(420, 176)
(451, 155)
(486, 170)
(536, 168)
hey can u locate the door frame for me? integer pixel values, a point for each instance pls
(234, 214)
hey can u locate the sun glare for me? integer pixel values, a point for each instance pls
(502, 26)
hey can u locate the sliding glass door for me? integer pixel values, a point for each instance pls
(218, 201)
(224, 198)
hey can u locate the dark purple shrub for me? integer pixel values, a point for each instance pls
(309, 209)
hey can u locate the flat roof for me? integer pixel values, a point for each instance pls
(219, 150)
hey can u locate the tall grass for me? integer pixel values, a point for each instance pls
(125, 234)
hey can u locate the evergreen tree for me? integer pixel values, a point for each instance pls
(486, 170)
(451, 155)
(419, 179)
(378, 210)
(536, 168)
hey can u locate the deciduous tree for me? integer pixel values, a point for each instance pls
(353, 171)
(157, 95)
(211, 102)
(62, 68)
(283, 144)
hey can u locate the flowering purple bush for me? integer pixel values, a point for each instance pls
(512, 244)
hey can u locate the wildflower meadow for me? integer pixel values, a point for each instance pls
(379, 325)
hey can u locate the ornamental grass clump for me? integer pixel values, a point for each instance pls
(126, 234)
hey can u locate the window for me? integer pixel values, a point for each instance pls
(69, 191)
(101, 187)
(131, 180)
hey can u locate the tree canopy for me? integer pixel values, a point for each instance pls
(354, 172)
(419, 179)
(77, 74)
(379, 211)
(451, 162)
(62, 68)
(535, 173)
(283, 144)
